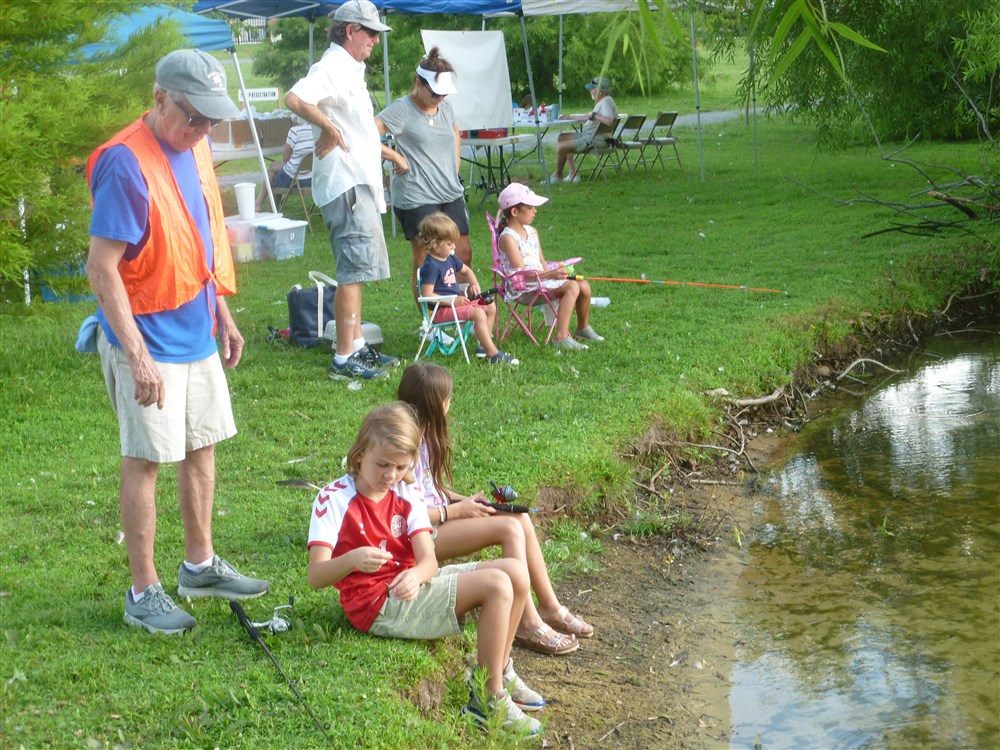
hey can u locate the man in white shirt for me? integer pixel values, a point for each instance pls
(347, 176)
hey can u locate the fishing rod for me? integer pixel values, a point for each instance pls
(578, 277)
(254, 634)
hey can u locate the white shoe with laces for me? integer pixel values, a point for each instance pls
(522, 695)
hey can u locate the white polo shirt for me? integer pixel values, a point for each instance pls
(336, 85)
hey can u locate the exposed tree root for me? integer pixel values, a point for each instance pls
(675, 464)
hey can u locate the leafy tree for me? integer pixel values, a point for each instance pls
(55, 108)
(857, 66)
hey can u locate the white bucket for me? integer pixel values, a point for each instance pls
(245, 198)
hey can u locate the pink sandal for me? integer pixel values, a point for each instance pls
(547, 641)
(566, 622)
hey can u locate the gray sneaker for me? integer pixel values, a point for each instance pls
(357, 367)
(568, 343)
(156, 612)
(588, 334)
(219, 580)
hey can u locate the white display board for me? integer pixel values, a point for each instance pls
(483, 81)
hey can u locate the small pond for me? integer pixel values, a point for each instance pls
(869, 613)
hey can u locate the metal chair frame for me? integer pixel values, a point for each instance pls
(660, 136)
(429, 330)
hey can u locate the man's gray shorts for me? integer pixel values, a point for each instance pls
(582, 143)
(356, 236)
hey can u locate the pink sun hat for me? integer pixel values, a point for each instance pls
(516, 193)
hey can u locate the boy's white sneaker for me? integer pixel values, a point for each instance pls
(522, 695)
(513, 719)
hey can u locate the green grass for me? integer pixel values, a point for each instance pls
(73, 675)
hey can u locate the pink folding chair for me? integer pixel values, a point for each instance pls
(522, 291)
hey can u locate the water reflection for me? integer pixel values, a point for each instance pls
(871, 605)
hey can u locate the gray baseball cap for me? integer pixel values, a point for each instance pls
(599, 83)
(362, 12)
(201, 79)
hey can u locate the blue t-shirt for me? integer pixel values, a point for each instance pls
(121, 213)
(443, 274)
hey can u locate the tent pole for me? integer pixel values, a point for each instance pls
(312, 25)
(540, 150)
(385, 70)
(697, 100)
(753, 99)
(253, 132)
(560, 63)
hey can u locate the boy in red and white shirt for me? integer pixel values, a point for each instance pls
(370, 537)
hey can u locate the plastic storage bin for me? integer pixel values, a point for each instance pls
(280, 238)
(243, 234)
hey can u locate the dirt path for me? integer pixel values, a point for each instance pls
(656, 674)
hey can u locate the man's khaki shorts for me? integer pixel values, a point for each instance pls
(196, 410)
(431, 615)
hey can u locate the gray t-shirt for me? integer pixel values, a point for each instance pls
(606, 107)
(429, 144)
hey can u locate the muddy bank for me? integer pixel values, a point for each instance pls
(656, 674)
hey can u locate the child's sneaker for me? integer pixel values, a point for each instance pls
(502, 358)
(588, 334)
(219, 580)
(568, 343)
(156, 612)
(513, 719)
(480, 352)
(526, 698)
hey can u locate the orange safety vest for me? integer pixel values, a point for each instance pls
(171, 269)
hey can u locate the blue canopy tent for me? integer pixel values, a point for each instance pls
(202, 33)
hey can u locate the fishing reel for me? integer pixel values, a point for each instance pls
(486, 296)
(277, 623)
(503, 493)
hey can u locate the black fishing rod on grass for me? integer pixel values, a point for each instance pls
(255, 637)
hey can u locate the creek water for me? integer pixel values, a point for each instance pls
(869, 613)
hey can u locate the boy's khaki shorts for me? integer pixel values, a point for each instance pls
(431, 615)
(196, 409)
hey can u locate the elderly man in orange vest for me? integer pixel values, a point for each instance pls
(161, 267)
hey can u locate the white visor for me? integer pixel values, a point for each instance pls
(440, 83)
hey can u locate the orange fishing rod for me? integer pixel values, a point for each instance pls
(578, 277)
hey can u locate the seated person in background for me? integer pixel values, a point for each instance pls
(605, 111)
(439, 277)
(297, 146)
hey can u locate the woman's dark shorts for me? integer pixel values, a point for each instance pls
(410, 218)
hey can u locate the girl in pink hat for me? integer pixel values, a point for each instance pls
(523, 250)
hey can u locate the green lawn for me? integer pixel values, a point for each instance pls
(75, 676)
